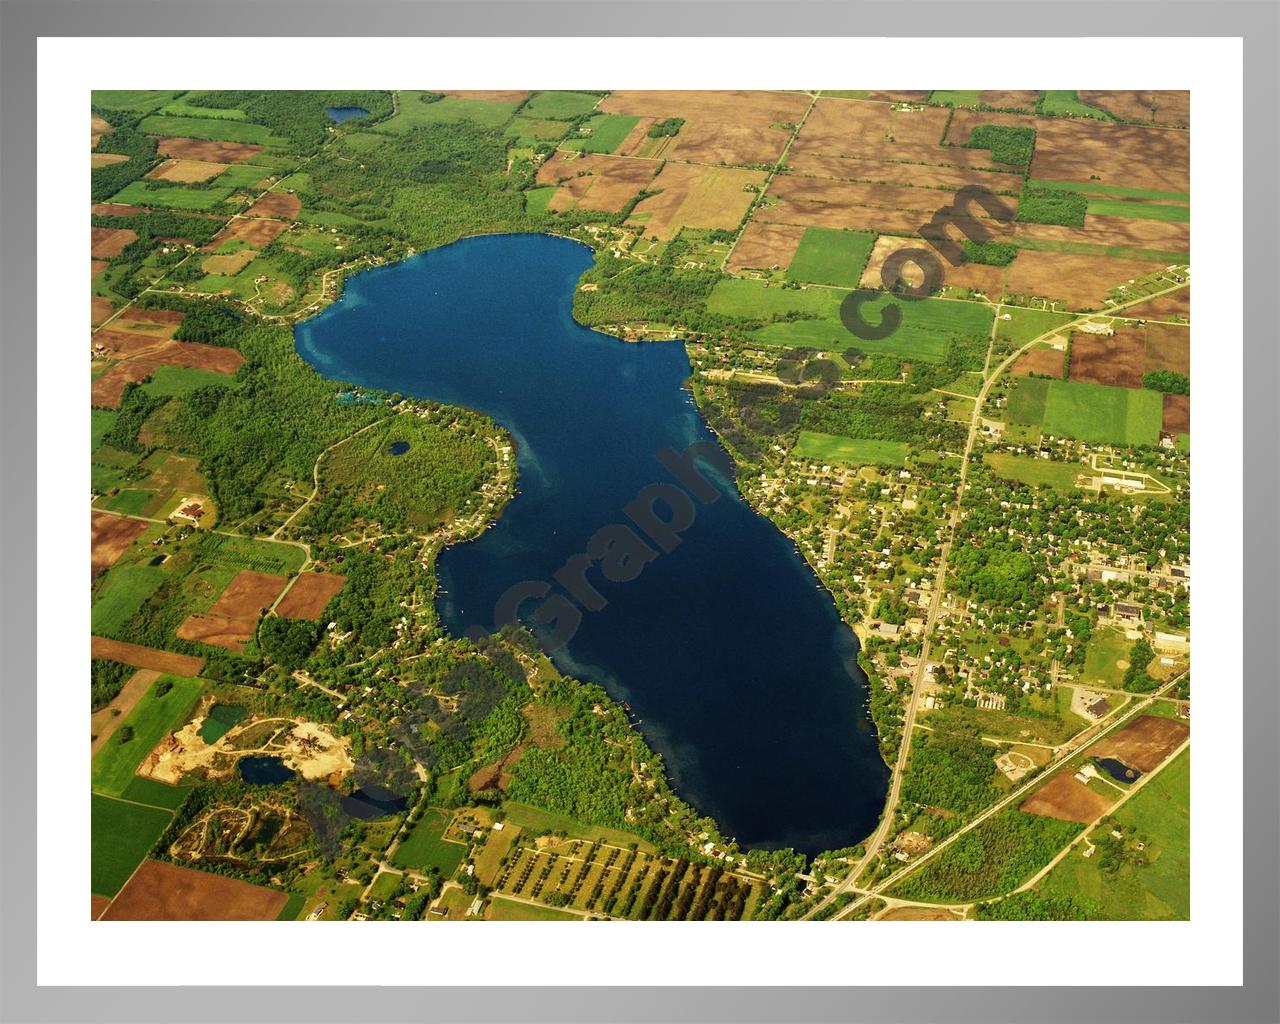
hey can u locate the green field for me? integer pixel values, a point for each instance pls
(246, 553)
(424, 848)
(1026, 403)
(559, 106)
(1053, 721)
(853, 451)
(1115, 252)
(538, 820)
(151, 720)
(536, 199)
(1107, 648)
(1065, 103)
(530, 131)
(1101, 414)
(242, 176)
(1145, 211)
(831, 256)
(501, 909)
(122, 834)
(925, 331)
(212, 128)
(1096, 187)
(124, 590)
(607, 132)
(414, 113)
(170, 197)
(1061, 476)
(1025, 325)
(131, 501)
(181, 380)
(1157, 890)
(142, 790)
(954, 98)
(186, 108)
(100, 421)
(137, 101)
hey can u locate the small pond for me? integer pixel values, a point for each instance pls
(340, 114)
(1118, 770)
(372, 801)
(397, 447)
(265, 771)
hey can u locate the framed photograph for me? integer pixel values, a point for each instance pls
(566, 464)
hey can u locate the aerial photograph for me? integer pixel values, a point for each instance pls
(591, 505)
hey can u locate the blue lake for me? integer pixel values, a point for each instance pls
(733, 659)
(265, 771)
(340, 114)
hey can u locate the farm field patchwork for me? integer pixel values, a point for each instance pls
(1104, 415)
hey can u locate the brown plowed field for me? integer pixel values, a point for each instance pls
(1118, 154)
(706, 142)
(187, 171)
(1175, 417)
(143, 353)
(114, 210)
(282, 205)
(111, 536)
(1169, 348)
(97, 160)
(1129, 231)
(229, 264)
(204, 149)
(852, 218)
(1081, 281)
(1021, 99)
(96, 267)
(764, 246)
(697, 196)
(107, 390)
(248, 594)
(595, 181)
(122, 343)
(1047, 362)
(891, 172)
(898, 95)
(107, 242)
(923, 126)
(1117, 359)
(97, 904)
(253, 232)
(218, 631)
(1146, 743)
(1160, 106)
(888, 197)
(100, 308)
(146, 657)
(1067, 800)
(977, 277)
(159, 891)
(310, 595)
(98, 127)
(1163, 307)
(490, 95)
(747, 109)
(136, 319)
(963, 122)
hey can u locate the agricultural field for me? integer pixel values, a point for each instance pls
(122, 834)
(849, 451)
(1105, 415)
(1128, 884)
(826, 256)
(161, 711)
(426, 848)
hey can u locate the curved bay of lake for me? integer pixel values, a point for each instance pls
(732, 657)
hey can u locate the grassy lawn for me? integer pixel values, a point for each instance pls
(831, 256)
(384, 885)
(925, 331)
(1061, 476)
(213, 128)
(424, 848)
(172, 197)
(122, 834)
(606, 133)
(151, 720)
(1107, 649)
(500, 909)
(1157, 890)
(559, 106)
(125, 590)
(852, 451)
(1102, 414)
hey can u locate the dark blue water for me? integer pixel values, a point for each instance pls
(372, 801)
(397, 447)
(264, 771)
(1118, 770)
(340, 114)
(731, 656)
